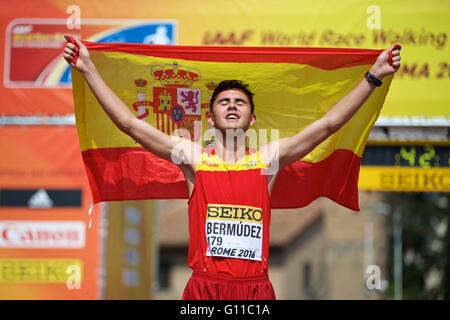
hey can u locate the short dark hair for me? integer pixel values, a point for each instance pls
(232, 84)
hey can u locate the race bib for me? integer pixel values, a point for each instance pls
(234, 231)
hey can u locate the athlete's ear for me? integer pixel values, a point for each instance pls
(252, 119)
(210, 118)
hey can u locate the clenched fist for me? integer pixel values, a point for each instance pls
(83, 62)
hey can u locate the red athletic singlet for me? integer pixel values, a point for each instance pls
(229, 216)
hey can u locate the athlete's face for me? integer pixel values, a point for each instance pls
(231, 110)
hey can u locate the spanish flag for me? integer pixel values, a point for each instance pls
(170, 86)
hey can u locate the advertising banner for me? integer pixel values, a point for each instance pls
(47, 250)
(31, 36)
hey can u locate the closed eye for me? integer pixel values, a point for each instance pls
(238, 101)
(241, 102)
(224, 101)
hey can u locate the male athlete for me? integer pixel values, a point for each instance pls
(229, 194)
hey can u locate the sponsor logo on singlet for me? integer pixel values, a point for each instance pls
(234, 231)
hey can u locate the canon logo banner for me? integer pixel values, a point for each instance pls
(42, 234)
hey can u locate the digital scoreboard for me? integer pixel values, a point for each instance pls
(427, 156)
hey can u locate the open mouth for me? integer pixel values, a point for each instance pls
(232, 116)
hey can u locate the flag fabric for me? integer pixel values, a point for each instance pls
(170, 86)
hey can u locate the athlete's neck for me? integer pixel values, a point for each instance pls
(231, 147)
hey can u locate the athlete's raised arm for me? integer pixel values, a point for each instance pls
(171, 148)
(291, 149)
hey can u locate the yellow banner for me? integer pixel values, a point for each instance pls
(40, 270)
(404, 179)
(422, 28)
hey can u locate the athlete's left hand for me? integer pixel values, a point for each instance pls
(388, 62)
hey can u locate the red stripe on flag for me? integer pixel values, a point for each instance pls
(134, 174)
(335, 177)
(325, 58)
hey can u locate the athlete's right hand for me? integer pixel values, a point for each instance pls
(83, 61)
